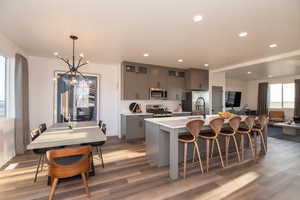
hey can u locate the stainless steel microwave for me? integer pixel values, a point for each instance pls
(158, 94)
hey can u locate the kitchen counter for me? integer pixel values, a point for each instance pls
(162, 147)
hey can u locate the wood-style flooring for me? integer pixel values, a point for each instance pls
(127, 175)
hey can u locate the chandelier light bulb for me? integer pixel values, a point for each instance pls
(87, 62)
(55, 53)
(81, 55)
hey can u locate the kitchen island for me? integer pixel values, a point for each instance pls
(162, 146)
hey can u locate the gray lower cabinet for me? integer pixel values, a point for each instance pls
(133, 126)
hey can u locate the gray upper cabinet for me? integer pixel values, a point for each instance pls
(158, 77)
(197, 79)
(134, 81)
(176, 84)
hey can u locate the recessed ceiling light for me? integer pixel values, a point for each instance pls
(146, 54)
(273, 45)
(249, 72)
(180, 60)
(243, 34)
(206, 65)
(197, 18)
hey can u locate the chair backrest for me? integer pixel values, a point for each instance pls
(42, 127)
(234, 123)
(103, 128)
(263, 121)
(34, 134)
(249, 121)
(194, 126)
(216, 124)
(100, 123)
(69, 162)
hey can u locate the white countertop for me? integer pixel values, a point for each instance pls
(180, 122)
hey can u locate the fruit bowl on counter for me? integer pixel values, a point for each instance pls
(225, 115)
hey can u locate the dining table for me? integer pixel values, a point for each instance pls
(69, 134)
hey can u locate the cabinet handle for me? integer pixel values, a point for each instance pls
(200, 85)
(137, 96)
(158, 84)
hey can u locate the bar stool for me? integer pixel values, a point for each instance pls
(194, 127)
(234, 123)
(216, 125)
(249, 122)
(259, 128)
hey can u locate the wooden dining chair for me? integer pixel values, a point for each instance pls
(40, 152)
(247, 130)
(216, 126)
(259, 128)
(194, 127)
(69, 162)
(234, 124)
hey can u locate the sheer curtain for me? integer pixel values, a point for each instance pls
(21, 104)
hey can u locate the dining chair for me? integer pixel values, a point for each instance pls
(42, 127)
(69, 162)
(247, 130)
(216, 126)
(234, 124)
(97, 145)
(194, 127)
(259, 128)
(41, 152)
(100, 123)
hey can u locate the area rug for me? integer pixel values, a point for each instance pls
(276, 132)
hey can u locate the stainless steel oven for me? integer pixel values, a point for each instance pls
(158, 93)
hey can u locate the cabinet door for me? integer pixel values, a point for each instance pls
(132, 126)
(158, 77)
(129, 83)
(204, 77)
(197, 79)
(175, 87)
(142, 86)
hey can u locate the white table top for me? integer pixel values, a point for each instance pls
(285, 124)
(180, 122)
(60, 135)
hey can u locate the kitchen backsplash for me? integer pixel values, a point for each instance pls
(171, 105)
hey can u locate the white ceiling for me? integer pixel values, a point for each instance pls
(116, 30)
(274, 69)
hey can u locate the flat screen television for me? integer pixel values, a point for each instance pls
(233, 99)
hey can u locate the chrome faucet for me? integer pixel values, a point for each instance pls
(197, 105)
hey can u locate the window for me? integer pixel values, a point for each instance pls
(2, 86)
(282, 95)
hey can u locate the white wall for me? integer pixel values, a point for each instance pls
(41, 91)
(252, 92)
(237, 85)
(7, 133)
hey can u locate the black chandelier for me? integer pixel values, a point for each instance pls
(73, 66)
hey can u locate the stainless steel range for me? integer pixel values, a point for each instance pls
(158, 110)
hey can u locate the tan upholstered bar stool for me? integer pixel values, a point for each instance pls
(194, 127)
(234, 123)
(249, 122)
(259, 128)
(216, 126)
